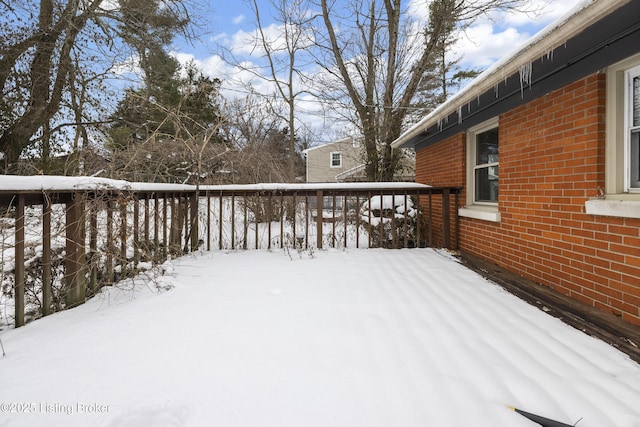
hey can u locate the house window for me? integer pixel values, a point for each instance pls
(485, 170)
(336, 159)
(621, 195)
(482, 172)
(632, 129)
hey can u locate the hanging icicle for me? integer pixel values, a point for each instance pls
(495, 89)
(459, 114)
(525, 77)
(550, 54)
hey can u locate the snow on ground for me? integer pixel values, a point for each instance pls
(333, 338)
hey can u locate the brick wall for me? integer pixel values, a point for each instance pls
(429, 170)
(551, 161)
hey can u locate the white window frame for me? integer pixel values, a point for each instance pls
(339, 153)
(617, 199)
(631, 185)
(482, 210)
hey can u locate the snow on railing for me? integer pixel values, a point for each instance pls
(63, 238)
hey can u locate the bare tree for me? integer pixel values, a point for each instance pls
(183, 146)
(256, 131)
(377, 54)
(285, 47)
(39, 56)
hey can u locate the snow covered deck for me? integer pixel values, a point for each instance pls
(366, 337)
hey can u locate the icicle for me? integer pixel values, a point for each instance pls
(459, 114)
(440, 124)
(525, 77)
(550, 54)
(495, 89)
(469, 107)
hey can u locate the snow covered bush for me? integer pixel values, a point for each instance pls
(392, 221)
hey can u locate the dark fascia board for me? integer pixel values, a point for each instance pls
(610, 40)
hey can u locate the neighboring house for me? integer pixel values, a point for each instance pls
(344, 161)
(546, 144)
(337, 161)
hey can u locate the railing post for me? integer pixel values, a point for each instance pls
(110, 247)
(294, 236)
(405, 226)
(282, 215)
(319, 218)
(255, 217)
(333, 219)
(93, 246)
(176, 224)
(161, 254)
(430, 227)
(245, 224)
(208, 196)
(381, 234)
(446, 219)
(306, 221)
(344, 217)
(147, 236)
(194, 232)
(220, 218)
(19, 262)
(46, 257)
(269, 216)
(419, 221)
(186, 221)
(75, 256)
(233, 221)
(123, 236)
(153, 253)
(457, 201)
(136, 230)
(370, 229)
(357, 220)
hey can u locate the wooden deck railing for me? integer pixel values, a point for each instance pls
(82, 237)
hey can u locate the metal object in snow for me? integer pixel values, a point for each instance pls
(544, 422)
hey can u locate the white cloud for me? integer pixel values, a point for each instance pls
(481, 46)
(234, 78)
(543, 12)
(490, 39)
(238, 19)
(243, 42)
(250, 42)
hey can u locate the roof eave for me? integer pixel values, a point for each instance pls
(544, 42)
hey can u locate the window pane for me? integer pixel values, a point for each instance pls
(636, 100)
(487, 147)
(634, 161)
(487, 184)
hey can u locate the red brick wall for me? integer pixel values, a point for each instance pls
(429, 170)
(552, 153)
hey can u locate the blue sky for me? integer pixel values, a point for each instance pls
(487, 40)
(229, 24)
